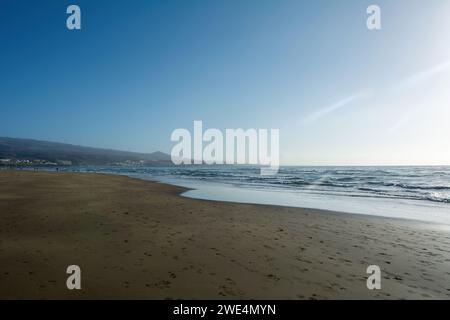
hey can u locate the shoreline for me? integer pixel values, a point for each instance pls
(183, 190)
(392, 208)
(434, 224)
(135, 238)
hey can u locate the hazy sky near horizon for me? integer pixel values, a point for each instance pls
(339, 93)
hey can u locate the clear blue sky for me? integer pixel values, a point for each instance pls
(339, 93)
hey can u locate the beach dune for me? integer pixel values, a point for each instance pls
(140, 239)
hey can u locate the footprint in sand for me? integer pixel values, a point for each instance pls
(273, 277)
(163, 284)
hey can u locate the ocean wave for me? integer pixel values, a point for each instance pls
(412, 183)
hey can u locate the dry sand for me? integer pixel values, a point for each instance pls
(139, 239)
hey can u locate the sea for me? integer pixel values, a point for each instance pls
(407, 192)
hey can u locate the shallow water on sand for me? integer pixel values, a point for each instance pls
(420, 193)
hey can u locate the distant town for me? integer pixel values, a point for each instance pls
(40, 162)
(34, 162)
(31, 153)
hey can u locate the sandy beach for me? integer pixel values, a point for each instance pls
(140, 239)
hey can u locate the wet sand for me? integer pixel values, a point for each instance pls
(140, 239)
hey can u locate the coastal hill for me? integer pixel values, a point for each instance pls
(28, 151)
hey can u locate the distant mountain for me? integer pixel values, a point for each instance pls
(35, 151)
